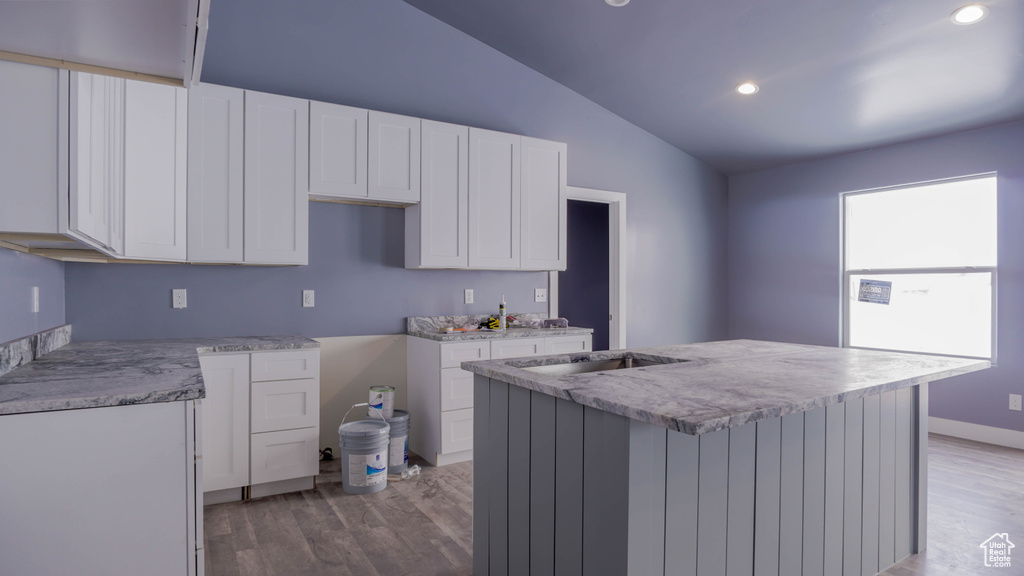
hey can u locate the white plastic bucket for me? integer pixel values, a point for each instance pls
(364, 456)
(382, 398)
(398, 449)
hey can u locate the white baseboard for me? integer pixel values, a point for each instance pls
(976, 432)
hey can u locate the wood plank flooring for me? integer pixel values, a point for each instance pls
(423, 526)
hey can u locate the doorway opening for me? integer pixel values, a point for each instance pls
(592, 290)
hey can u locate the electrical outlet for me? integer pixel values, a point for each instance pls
(35, 299)
(307, 299)
(540, 295)
(1015, 402)
(179, 298)
(469, 295)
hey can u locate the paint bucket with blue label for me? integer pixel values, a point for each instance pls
(364, 456)
(398, 449)
(382, 398)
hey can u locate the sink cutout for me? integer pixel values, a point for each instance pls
(570, 368)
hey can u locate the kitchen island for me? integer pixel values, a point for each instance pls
(735, 457)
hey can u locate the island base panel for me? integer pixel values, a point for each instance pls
(564, 489)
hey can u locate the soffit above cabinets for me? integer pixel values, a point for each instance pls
(146, 39)
(834, 76)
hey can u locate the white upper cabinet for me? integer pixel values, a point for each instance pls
(394, 157)
(543, 221)
(29, 143)
(276, 179)
(437, 234)
(494, 199)
(337, 150)
(215, 130)
(96, 170)
(155, 134)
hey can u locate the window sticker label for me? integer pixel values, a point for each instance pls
(876, 291)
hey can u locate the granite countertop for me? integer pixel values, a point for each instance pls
(513, 332)
(715, 385)
(97, 374)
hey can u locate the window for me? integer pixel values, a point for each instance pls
(919, 270)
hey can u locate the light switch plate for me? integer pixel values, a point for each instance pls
(540, 295)
(179, 298)
(469, 295)
(307, 299)
(1015, 401)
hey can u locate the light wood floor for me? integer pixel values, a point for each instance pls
(423, 526)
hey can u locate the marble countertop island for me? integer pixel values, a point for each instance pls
(702, 388)
(97, 374)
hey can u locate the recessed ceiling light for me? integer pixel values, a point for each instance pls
(969, 14)
(617, 3)
(747, 88)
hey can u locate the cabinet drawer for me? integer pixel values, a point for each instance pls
(285, 405)
(453, 354)
(456, 389)
(568, 344)
(288, 365)
(456, 431)
(285, 455)
(516, 347)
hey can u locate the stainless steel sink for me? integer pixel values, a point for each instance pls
(596, 366)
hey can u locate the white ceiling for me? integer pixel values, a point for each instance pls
(835, 75)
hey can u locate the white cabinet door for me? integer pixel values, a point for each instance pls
(394, 157)
(515, 347)
(124, 505)
(285, 365)
(453, 354)
(437, 234)
(456, 431)
(215, 116)
(96, 170)
(276, 228)
(285, 455)
(494, 201)
(456, 389)
(285, 405)
(567, 344)
(337, 150)
(29, 129)
(225, 421)
(155, 132)
(543, 183)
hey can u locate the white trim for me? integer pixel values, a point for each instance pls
(976, 432)
(616, 261)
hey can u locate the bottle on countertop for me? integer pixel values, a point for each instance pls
(502, 314)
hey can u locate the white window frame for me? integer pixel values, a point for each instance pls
(882, 273)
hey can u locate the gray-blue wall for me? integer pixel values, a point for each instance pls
(18, 274)
(386, 55)
(784, 253)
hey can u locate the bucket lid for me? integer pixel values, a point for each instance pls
(399, 417)
(382, 388)
(364, 428)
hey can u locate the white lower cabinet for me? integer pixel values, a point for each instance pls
(121, 495)
(440, 392)
(261, 423)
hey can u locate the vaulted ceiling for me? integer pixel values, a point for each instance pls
(834, 75)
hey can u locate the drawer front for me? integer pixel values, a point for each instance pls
(456, 389)
(285, 365)
(456, 431)
(568, 344)
(285, 405)
(285, 455)
(516, 347)
(453, 354)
